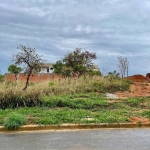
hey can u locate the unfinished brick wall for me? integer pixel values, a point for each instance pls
(33, 78)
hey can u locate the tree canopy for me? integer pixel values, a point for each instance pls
(58, 67)
(30, 59)
(14, 69)
(78, 61)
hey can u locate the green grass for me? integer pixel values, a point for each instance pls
(79, 108)
(77, 101)
(14, 121)
(68, 101)
(146, 113)
(135, 101)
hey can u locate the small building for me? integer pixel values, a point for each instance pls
(94, 68)
(47, 68)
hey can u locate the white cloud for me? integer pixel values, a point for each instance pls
(111, 28)
(79, 28)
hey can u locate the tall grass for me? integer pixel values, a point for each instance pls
(12, 95)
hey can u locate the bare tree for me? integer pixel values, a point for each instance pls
(123, 66)
(30, 59)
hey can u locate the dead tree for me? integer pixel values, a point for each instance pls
(30, 59)
(123, 66)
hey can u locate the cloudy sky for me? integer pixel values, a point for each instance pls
(110, 28)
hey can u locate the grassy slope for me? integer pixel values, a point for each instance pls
(82, 108)
(70, 101)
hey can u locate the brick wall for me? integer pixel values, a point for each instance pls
(33, 78)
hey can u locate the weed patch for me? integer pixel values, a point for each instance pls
(12, 96)
(146, 113)
(14, 121)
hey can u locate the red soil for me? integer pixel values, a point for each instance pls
(137, 78)
(139, 88)
(139, 120)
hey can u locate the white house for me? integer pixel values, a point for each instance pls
(94, 68)
(47, 68)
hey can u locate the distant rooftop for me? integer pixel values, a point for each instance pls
(47, 65)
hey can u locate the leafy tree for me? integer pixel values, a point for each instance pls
(113, 74)
(58, 67)
(14, 69)
(31, 60)
(93, 73)
(79, 60)
(66, 71)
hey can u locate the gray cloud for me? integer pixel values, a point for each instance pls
(111, 28)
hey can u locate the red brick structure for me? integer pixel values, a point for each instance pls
(33, 78)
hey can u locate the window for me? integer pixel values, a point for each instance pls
(47, 70)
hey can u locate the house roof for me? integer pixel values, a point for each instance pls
(45, 65)
(94, 67)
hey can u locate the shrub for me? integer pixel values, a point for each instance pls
(105, 85)
(14, 121)
(2, 78)
(52, 83)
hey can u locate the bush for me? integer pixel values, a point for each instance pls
(105, 85)
(52, 83)
(2, 78)
(14, 121)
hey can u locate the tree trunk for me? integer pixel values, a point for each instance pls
(27, 81)
(127, 71)
(16, 77)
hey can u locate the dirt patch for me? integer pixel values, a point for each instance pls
(137, 78)
(31, 119)
(139, 120)
(113, 101)
(138, 89)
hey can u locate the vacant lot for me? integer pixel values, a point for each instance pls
(76, 101)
